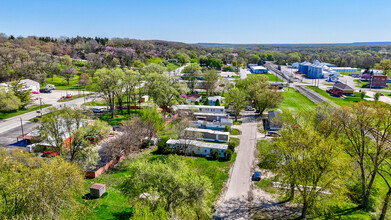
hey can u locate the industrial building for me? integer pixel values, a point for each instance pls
(258, 69)
(319, 70)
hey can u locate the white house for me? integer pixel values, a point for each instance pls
(197, 147)
(210, 116)
(202, 108)
(216, 125)
(29, 84)
(211, 135)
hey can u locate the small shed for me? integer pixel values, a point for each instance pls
(343, 88)
(97, 190)
(144, 98)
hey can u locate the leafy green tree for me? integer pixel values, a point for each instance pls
(164, 89)
(366, 129)
(20, 91)
(191, 72)
(217, 103)
(384, 65)
(109, 84)
(152, 68)
(183, 58)
(255, 59)
(8, 101)
(169, 184)
(211, 78)
(152, 119)
(131, 81)
(236, 98)
(215, 63)
(228, 154)
(35, 188)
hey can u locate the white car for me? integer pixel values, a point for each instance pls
(51, 86)
(30, 147)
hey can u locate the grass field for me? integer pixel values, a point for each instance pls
(114, 205)
(294, 101)
(61, 84)
(271, 77)
(235, 132)
(5, 115)
(118, 117)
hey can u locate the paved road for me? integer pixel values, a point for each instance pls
(11, 123)
(235, 201)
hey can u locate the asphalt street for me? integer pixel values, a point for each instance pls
(235, 201)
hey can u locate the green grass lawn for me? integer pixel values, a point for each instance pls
(172, 66)
(5, 115)
(238, 122)
(118, 117)
(95, 103)
(114, 205)
(336, 100)
(296, 102)
(235, 132)
(271, 77)
(61, 84)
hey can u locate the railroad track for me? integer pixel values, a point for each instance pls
(313, 96)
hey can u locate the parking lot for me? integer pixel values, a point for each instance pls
(52, 98)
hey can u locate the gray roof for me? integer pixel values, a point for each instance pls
(342, 86)
(198, 144)
(207, 131)
(209, 114)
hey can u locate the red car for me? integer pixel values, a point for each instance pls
(49, 154)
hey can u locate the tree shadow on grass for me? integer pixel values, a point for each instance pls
(124, 214)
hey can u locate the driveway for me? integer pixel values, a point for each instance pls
(234, 203)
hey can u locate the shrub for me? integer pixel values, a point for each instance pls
(227, 128)
(196, 103)
(228, 154)
(215, 154)
(231, 146)
(162, 147)
(217, 103)
(206, 101)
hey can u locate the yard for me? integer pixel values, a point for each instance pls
(295, 102)
(271, 77)
(114, 205)
(118, 117)
(61, 84)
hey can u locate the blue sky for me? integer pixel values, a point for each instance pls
(217, 21)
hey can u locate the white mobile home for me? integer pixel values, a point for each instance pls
(211, 135)
(197, 147)
(202, 108)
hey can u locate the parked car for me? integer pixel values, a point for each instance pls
(381, 94)
(249, 108)
(51, 86)
(274, 134)
(45, 90)
(256, 176)
(49, 154)
(30, 148)
(97, 110)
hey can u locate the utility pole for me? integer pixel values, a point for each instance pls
(21, 124)
(40, 103)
